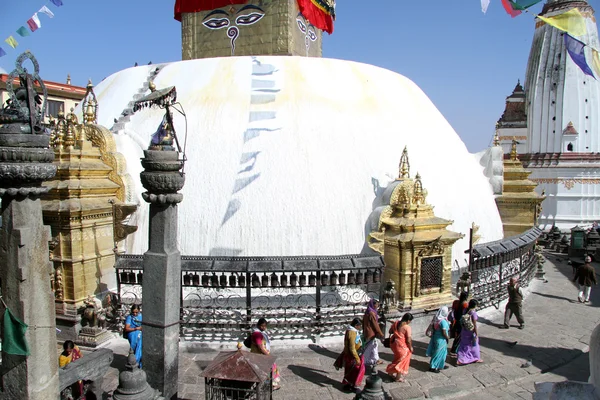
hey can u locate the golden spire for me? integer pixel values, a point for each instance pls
(61, 129)
(152, 86)
(404, 165)
(418, 196)
(89, 107)
(496, 137)
(513, 150)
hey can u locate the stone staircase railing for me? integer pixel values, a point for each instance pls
(90, 369)
(126, 114)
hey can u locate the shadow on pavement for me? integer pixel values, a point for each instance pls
(551, 296)
(315, 376)
(544, 358)
(324, 351)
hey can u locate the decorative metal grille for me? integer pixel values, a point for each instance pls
(301, 297)
(431, 272)
(496, 262)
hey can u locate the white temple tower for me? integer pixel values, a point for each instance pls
(563, 132)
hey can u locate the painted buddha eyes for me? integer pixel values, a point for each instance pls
(249, 19)
(312, 35)
(216, 23)
(301, 25)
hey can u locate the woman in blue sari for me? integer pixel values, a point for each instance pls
(438, 345)
(133, 330)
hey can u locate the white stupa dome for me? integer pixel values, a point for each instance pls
(287, 154)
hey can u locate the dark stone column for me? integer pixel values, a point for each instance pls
(161, 291)
(25, 162)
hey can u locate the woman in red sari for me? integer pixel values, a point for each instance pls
(354, 365)
(401, 345)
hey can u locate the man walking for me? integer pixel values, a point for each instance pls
(515, 304)
(586, 275)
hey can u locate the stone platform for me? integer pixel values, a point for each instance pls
(556, 338)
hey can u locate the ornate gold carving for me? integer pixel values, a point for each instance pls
(58, 284)
(513, 150)
(568, 182)
(104, 140)
(435, 247)
(419, 192)
(512, 138)
(404, 165)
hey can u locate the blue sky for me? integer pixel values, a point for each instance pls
(465, 61)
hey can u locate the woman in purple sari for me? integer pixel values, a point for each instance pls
(468, 349)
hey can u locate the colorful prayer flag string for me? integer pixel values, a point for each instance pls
(33, 23)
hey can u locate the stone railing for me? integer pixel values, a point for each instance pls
(90, 369)
(494, 263)
(301, 297)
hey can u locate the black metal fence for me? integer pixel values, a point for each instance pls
(301, 297)
(494, 263)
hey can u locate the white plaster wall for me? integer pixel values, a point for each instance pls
(568, 206)
(287, 155)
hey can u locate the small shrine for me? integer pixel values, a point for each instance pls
(239, 375)
(416, 244)
(519, 205)
(86, 207)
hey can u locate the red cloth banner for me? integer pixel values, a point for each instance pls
(319, 13)
(192, 6)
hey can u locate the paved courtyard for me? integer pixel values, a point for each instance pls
(555, 339)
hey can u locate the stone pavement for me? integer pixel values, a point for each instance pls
(555, 339)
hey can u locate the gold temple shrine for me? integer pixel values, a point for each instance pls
(89, 190)
(417, 246)
(519, 205)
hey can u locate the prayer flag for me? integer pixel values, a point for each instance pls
(571, 22)
(320, 13)
(12, 42)
(46, 10)
(523, 4)
(2, 52)
(596, 62)
(57, 3)
(484, 5)
(23, 31)
(577, 53)
(509, 8)
(34, 23)
(13, 335)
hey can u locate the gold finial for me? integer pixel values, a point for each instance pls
(239, 346)
(152, 86)
(68, 79)
(404, 165)
(513, 150)
(418, 196)
(496, 137)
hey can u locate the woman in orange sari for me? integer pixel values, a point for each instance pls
(401, 345)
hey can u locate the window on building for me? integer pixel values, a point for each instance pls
(570, 147)
(54, 107)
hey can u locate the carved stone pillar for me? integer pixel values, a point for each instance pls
(161, 291)
(25, 162)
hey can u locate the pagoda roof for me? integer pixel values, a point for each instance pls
(240, 366)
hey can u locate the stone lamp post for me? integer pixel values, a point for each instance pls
(161, 293)
(25, 268)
